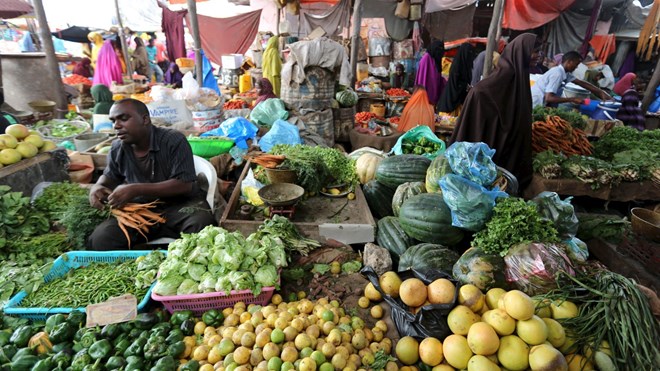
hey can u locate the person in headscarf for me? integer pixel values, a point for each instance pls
(478, 66)
(97, 42)
(418, 111)
(400, 79)
(108, 66)
(536, 66)
(630, 112)
(140, 59)
(272, 64)
(83, 68)
(625, 83)
(460, 75)
(264, 91)
(173, 76)
(429, 72)
(498, 111)
(103, 98)
(116, 44)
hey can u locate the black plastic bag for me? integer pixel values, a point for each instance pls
(431, 320)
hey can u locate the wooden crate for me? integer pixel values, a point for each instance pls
(354, 224)
(100, 160)
(23, 176)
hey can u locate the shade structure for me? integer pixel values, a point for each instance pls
(14, 8)
(74, 34)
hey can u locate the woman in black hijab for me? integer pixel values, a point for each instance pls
(460, 76)
(498, 111)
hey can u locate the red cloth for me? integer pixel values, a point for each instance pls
(529, 14)
(243, 29)
(172, 25)
(604, 45)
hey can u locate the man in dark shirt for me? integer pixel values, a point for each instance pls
(147, 163)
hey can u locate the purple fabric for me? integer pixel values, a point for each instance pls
(628, 64)
(108, 66)
(429, 77)
(591, 28)
(173, 76)
(630, 112)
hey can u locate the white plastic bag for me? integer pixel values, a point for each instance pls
(190, 89)
(250, 189)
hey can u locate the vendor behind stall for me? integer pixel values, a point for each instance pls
(146, 164)
(399, 79)
(264, 91)
(83, 68)
(460, 76)
(173, 76)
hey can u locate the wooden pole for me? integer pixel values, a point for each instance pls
(277, 25)
(493, 31)
(52, 66)
(192, 10)
(122, 40)
(649, 94)
(355, 44)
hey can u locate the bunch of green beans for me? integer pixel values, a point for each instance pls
(93, 284)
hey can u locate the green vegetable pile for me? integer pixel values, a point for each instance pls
(96, 283)
(281, 228)
(217, 260)
(60, 128)
(609, 228)
(18, 218)
(317, 167)
(80, 219)
(514, 221)
(625, 138)
(56, 198)
(420, 146)
(574, 118)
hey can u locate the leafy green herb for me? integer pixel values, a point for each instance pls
(574, 118)
(352, 266)
(55, 198)
(514, 221)
(380, 360)
(625, 138)
(606, 227)
(321, 268)
(282, 229)
(80, 219)
(18, 218)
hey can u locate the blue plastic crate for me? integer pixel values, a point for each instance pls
(61, 266)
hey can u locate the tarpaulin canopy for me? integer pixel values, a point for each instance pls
(74, 34)
(14, 8)
(242, 29)
(528, 14)
(143, 15)
(333, 20)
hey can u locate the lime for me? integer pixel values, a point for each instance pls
(306, 352)
(286, 366)
(226, 346)
(274, 364)
(328, 315)
(327, 367)
(277, 336)
(318, 357)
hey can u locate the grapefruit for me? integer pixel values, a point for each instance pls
(9, 140)
(518, 305)
(481, 363)
(441, 291)
(430, 351)
(390, 284)
(371, 293)
(18, 131)
(513, 353)
(48, 145)
(500, 321)
(493, 296)
(407, 350)
(34, 139)
(545, 357)
(460, 319)
(457, 351)
(533, 331)
(413, 292)
(482, 339)
(472, 297)
(9, 156)
(27, 150)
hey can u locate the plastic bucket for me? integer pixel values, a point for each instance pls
(378, 109)
(606, 111)
(86, 141)
(589, 109)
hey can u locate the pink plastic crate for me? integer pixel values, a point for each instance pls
(200, 303)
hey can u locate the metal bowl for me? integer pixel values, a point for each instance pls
(281, 194)
(42, 105)
(646, 222)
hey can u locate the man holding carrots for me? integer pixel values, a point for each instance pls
(146, 164)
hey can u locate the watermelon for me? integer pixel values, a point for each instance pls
(428, 256)
(426, 217)
(480, 269)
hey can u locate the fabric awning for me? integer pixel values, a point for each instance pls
(14, 8)
(74, 34)
(215, 32)
(529, 14)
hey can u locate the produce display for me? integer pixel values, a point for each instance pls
(364, 117)
(61, 128)
(578, 121)
(18, 143)
(77, 79)
(558, 135)
(396, 92)
(420, 146)
(234, 104)
(138, 217)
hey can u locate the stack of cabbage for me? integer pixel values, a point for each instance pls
(217, 260)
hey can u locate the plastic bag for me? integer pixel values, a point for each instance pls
(472, 161)
(471, 205)
(577, 250)
(282, 132)
(250, 189)
(237, 128)
(269, 111)
(189, 90)
(560, 213)
(533, 267)
(431, 320)
(414, 135)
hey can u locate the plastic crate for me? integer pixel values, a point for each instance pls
(61, 266)
(210, 147)
(200, 303)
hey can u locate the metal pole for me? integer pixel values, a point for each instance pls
(52, 66)
(277, 25)
(192, 10)
(493, 31)
(122, 40)
(357, 21)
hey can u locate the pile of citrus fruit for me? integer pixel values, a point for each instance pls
(18, 143)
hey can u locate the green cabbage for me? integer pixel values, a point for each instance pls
(207, 283)
(266, 276)
(187, 287)
(196, 271)
(168, 286)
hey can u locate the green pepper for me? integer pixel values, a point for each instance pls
(163, 325)
(121, 347)
(145, 321)
(176, 349)
(77, 319)
(100, 349)
(155, 348)
(115, 362)
(125, 327)
(110, 331)
(24, 363)
(119, 339)
(80, 360)
(6, 353)
(66, 345)
(158, 332)
(96, 366)
(21, 336)
(45, 364)
(22, 353)
(65, 331)
(188, 327)
(135, 333)
(174, 336)
(191, 365)
(180, 316)
(62, 358)
(5, 335)
(88, 339)
(135, 349)
(134, 363)
(213, 318)
(53, 321)
(166, 363)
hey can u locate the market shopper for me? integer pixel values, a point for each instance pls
(429, 72)
(460, 76)
(478, 66)
(147, 163)
(417, 111)
(83, 68)
(103, 98)
(140, 59)
(97, 42)
(630, 113)
(152, 56)
(625, 83)
(272, 64)
(108, 66)
(548, 88)
(498, 111)
(173, 76)
(264, 91)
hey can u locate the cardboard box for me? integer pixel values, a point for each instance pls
(232, 61)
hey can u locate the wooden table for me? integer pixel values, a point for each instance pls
(624, 192)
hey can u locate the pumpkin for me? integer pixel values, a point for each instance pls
(365, 167)
(347, 98)
(41, 343)
(379, 198)
(480, 269)
(393, 238)
(396, 170)
(427, 218)
(428, 256)
(439, 167)
(404, 192)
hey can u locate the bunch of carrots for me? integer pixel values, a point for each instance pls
(396, 92)
(559, 136)
(138, 217)
(268, 161)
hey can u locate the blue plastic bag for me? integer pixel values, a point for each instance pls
(472, 161)
(414, 135)
(238, 128)
(471, 204)
(281, 132)
(269, 111)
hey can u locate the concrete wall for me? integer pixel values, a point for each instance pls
(25, 79)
